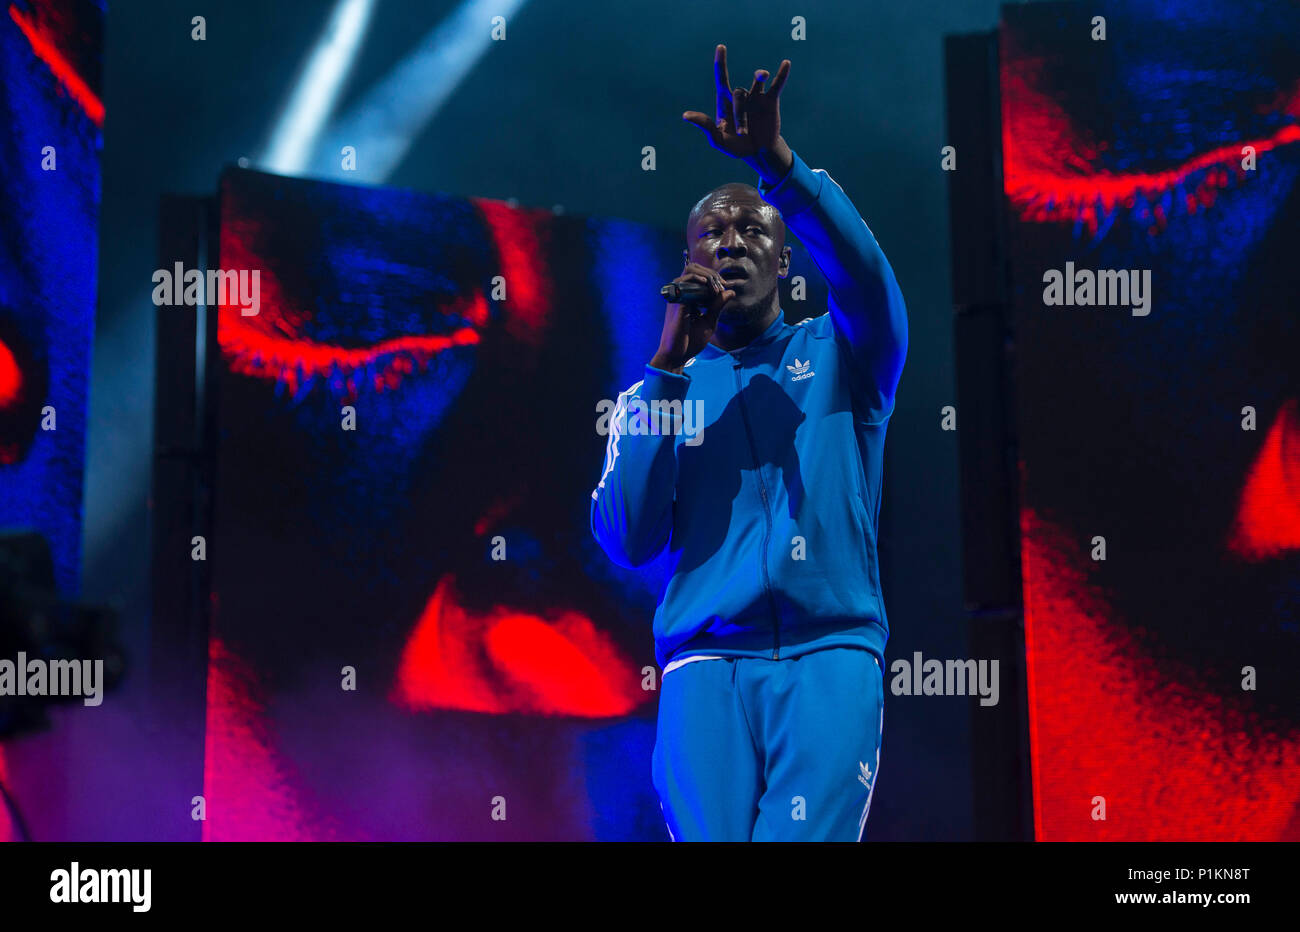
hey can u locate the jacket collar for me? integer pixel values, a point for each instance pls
(774, 330)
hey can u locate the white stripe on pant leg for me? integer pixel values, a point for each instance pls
(862, 822)
(671, 836)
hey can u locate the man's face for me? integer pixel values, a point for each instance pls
(743, 238)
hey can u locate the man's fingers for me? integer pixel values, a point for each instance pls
(757, 87)
(709, 276)
(724, 108)
(738, 98)
(722, 85)
(700, 273)
(703, 122)
(720, 68)
(774, 89)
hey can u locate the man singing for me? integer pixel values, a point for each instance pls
(771, 629)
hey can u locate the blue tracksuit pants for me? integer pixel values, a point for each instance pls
(750, 749)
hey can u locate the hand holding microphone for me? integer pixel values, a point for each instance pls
(692, 317)
(692, 294)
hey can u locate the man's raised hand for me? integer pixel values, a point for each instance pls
(747, 124)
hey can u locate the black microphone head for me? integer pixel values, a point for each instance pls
(687, 292)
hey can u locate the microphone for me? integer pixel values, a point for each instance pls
(696, 293)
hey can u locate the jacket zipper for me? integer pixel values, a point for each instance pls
(767, 516)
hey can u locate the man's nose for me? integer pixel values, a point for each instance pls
(731, 243)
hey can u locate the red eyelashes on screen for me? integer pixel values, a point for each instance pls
(271, 345)
(1050, 173)
(300, 365)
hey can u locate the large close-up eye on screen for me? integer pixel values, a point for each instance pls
(438, 428)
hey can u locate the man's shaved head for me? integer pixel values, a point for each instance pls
(737, 193)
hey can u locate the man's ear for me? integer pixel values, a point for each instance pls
(783, 268)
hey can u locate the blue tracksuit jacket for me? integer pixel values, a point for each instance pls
(769, 514)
